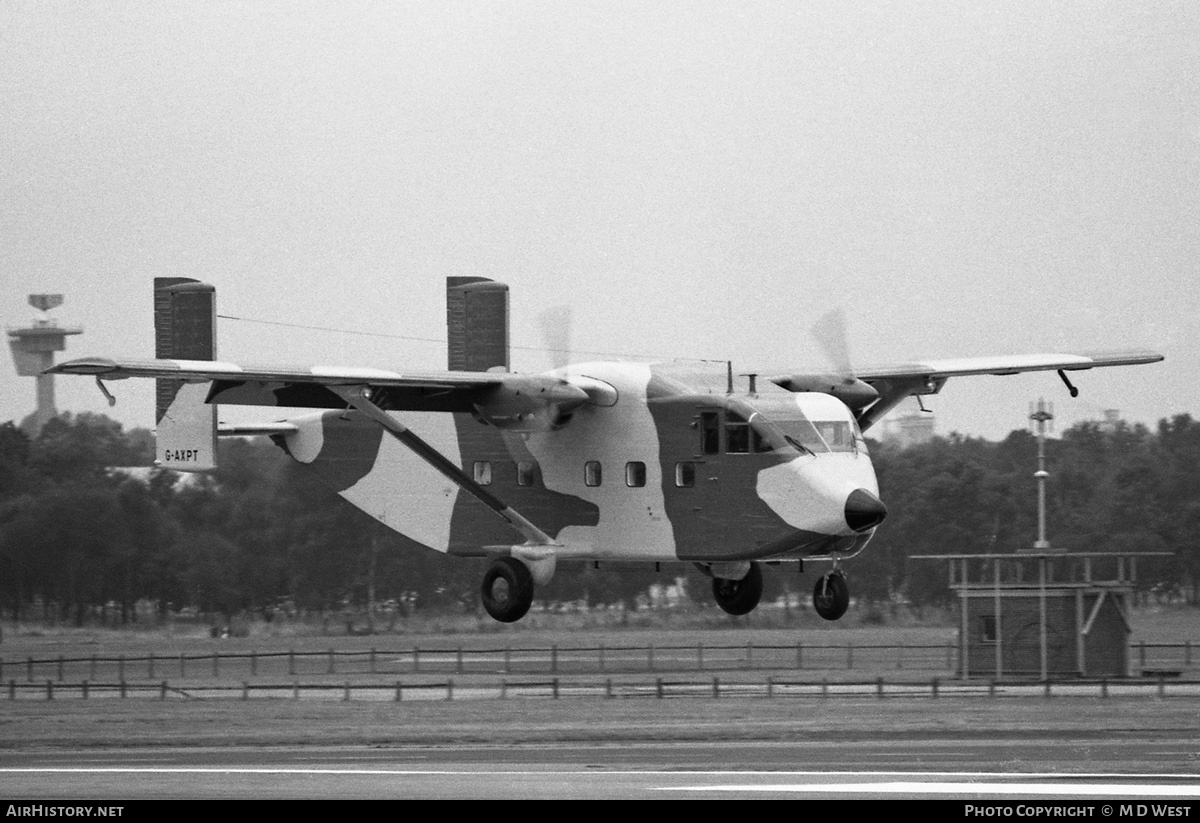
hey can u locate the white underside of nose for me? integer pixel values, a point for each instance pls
(810, 493)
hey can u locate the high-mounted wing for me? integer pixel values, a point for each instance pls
(513, 401)
(873, 392)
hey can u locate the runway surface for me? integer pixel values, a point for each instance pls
(1000, 768)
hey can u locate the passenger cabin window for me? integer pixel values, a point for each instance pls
(591, 473)
(987, 628)
(526, 472)
(685, 475)
(483, 472)
(710, 433)
(635, 474)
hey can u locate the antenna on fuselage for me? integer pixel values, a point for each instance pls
(729, 377)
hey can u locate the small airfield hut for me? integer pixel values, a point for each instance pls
(1043, 614)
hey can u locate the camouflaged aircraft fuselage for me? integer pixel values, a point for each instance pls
(655, 471)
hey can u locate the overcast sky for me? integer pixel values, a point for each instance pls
(695, 180)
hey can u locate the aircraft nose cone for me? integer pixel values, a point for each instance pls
(864, 511)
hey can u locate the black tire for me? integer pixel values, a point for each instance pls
(739, 596)
(831, 596)
(507, 590)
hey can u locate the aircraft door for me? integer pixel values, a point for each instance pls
(708, 465)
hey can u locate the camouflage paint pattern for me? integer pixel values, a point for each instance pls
(776, 504)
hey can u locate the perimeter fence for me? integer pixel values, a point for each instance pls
(842, 659)
(660, 688)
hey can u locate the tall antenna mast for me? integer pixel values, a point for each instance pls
(1041, 418)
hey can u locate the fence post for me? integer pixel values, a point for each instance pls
(991, 687)
(1, 668)
(1104, 687)
(503, 688)
(554, 688)
(12, 689)
(1048, 681)
(84, 689)
(450, 688)
(49, 689)
(122, 689)
(295, 690)
(1162, 687)
(608, 687)
(399, 691)
(824, 687)
(245, 690)
(716, 687)
(934, 688)
(658, 688)
(346, 693)
(163, 694)
(291, 662)
(1142, 654)
(879, 687)
(770, 686)
(554, 657)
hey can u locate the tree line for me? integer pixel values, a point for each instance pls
(78, 538)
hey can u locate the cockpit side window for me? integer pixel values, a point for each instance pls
(737, 433)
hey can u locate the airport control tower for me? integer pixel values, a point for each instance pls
(33, 351)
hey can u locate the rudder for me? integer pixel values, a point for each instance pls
(185, 328)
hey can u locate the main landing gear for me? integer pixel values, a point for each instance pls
(507, 589)
(739, 596)
(831, 596)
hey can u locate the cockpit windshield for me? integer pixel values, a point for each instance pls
(823, 428)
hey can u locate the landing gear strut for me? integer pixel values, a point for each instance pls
(739, 596)
(831, 596)
(507, 589)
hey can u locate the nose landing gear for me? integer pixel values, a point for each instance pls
(831, 596)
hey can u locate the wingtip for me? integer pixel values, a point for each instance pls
(83, 365)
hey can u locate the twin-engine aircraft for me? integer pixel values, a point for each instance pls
(606, 462)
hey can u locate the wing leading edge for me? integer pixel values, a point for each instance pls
(894, 383)
(506, 400)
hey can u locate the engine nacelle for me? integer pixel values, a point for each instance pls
(535, 404)
(850, 390)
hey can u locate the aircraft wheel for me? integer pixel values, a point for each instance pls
(831, 597)
(739, 596)
(507, 590)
